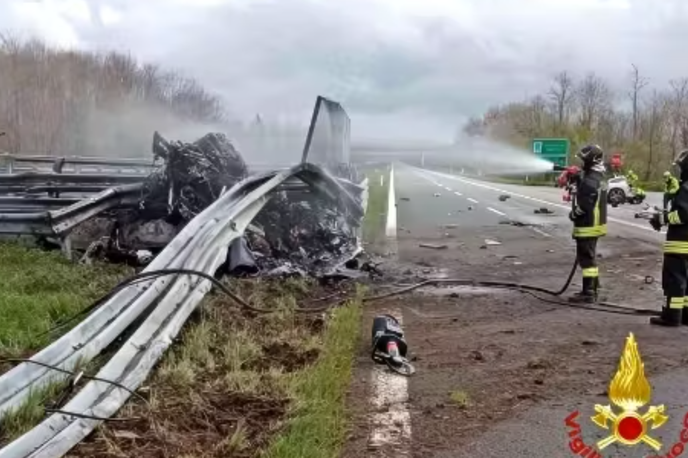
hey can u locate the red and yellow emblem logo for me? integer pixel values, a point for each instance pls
(629, 390)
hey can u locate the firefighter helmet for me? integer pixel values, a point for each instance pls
(681, 161)
(591, 154)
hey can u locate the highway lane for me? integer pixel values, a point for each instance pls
(524, 200)
(446, 333)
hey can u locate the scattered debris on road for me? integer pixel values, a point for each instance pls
(405, 199)
(433, 246)
(437, 194)
(490, 242)
(504, 197)
(451, 226)
(543, 211)
(470, 207)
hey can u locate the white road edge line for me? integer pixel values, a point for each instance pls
(472, 200)
(391, 421)
(391, 226)
(496, 211)
(534, 199)
(541, 232)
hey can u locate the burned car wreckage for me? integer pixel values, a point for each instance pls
(302, 229)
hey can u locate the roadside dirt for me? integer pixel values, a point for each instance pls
(484, 355)
(223, 391)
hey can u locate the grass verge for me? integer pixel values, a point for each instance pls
(38, 290)
(375, 218)
(245, 385)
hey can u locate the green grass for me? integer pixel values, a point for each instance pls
(460, 398)
(319, 426)
(226, 389)
(376, 213)
(38, 289)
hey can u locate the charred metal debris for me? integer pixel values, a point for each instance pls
(303, 229)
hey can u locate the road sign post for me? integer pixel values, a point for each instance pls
(554, 150)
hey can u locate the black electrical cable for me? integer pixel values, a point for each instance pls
(142, 276)
(73, 374)
(605, 307)
(88, 417)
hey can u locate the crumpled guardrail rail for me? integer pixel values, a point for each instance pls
(13, 163)
(30, 178)
(60, 221)
(201, 245)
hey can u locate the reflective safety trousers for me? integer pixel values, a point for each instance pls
(590, 206)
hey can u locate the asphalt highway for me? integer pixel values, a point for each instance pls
(428, 201)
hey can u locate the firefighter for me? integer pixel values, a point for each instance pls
(675, 265)
(589, 216)
(670, 188)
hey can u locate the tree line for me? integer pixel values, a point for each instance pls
(650, 130)
(69, 102)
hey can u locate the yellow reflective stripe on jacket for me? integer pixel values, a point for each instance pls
(591, 272)
(673, 218)
(595, 231)
(676, 302)
(596, 211)
(676, 247)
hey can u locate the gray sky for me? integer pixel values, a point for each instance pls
(402, 68)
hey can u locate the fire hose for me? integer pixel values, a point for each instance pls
(605, 307)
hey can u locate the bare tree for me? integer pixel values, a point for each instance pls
(50, 100)
(679, 93)
(593, 96)
(637, 84)
(655, 125)
(561, 94)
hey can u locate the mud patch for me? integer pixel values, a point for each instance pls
(285, 356)
(212, 423)
(501, 356)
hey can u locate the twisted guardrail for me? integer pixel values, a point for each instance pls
(166, 301)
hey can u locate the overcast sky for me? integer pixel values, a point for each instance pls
(402, 68)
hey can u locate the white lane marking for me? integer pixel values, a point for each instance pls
(458, 193)
(496, 211)
(534, 199)
(391, 419)
(472, 200)
(543, 233)
(391, 227)
(448, 188)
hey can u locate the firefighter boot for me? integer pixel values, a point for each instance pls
(589, 293)
(669, 316)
